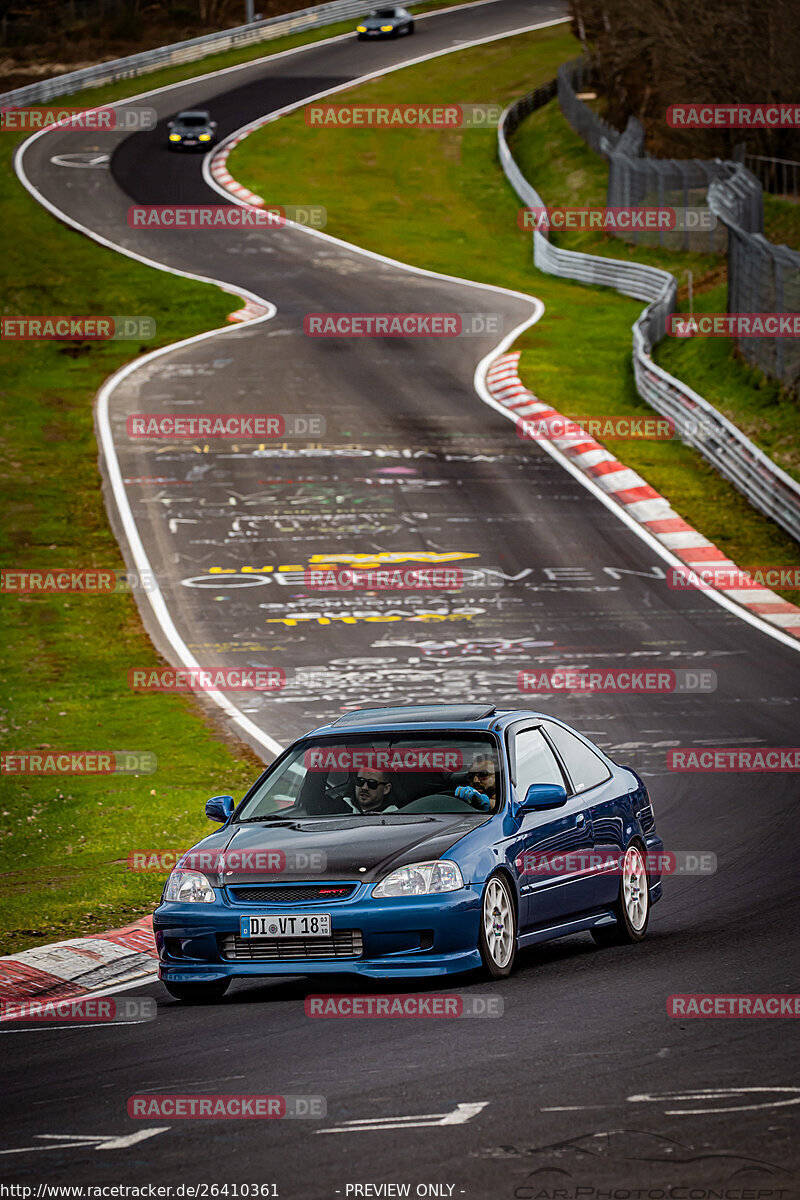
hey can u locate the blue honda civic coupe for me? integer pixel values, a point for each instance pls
(412, 841)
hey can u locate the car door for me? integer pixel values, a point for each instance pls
(551, 894)
(594, 785)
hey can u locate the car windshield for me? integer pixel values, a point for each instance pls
(193, 122)
(385, 12)
(386, 773)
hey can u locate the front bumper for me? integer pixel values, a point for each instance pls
(185, 145)
(412, 937)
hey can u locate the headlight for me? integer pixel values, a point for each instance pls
(189, 887)
(420, 879)
(205, 137)
(361, 29)
(174, 137)
(387, 28)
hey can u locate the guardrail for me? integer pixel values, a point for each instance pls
(766, 486)
(183, 52)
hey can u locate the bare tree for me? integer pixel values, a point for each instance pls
(650, 54)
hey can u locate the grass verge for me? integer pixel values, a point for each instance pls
(64, 659)
(437, 199)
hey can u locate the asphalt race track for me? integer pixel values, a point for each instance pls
(584, 1081)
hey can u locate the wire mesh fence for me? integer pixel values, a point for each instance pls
(636, 180)
(723, 203)
(780, 176)
(763, 278)
(766, 486)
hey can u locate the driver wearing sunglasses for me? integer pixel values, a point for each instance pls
(481, 789)
(372, 791)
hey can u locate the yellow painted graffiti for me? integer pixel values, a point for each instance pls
(348, 620)
(319, 561)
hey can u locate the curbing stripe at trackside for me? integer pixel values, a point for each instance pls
(633, 501)
(23, 970)
(27, 975)
(80, 966)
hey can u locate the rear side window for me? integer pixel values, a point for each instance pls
(536, 762)
(584, 766)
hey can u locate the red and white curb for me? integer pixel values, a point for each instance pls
(647, 506)
(250, 310)
(68, 970)
(220, 172)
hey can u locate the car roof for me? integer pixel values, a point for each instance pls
(434, 716)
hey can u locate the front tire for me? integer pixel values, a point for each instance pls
(198, 993)
(632, 907)
(497, 940)
(410, 28)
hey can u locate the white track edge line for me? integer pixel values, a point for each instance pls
(614, 506)
(155, 597)
(479, 379)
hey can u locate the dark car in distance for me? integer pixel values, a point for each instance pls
(385, 22)
(191, 130)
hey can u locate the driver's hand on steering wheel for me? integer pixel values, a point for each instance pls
(474, 797)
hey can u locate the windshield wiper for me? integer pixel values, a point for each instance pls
(266, 819)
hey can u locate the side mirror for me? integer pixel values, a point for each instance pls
(219, 808)
(170, 124)
(541, 796)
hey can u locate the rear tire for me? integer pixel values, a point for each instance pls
(497, 940)
(632, 907)
(198, 993)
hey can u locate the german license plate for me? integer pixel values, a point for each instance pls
(281, 925)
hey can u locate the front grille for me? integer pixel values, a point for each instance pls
(344, 943)
(292, 893)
